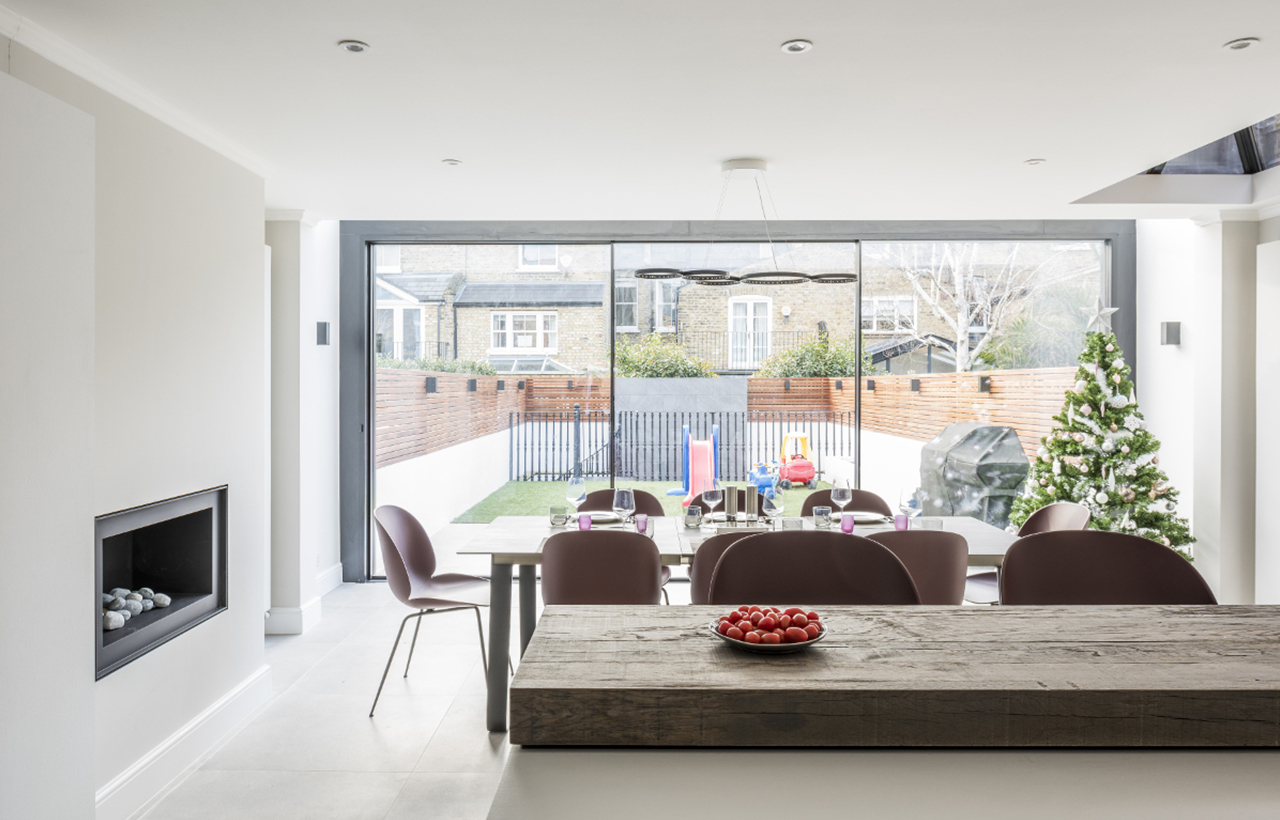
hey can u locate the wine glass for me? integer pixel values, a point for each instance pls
(713, 495)
(841, 494)
(624, 502)
(772, 507)
(576, 492)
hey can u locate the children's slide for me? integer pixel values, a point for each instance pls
(700, 465)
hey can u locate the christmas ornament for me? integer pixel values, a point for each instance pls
(1128, 495)
(1086, 410)
(1152, 495)
(1116, 378)
(1101, 498)
(1078, 438)
(1124, 448)
(1108, 445)
(1114, 429)
(1099, 316)
(1044, 482)
(1155, 459)
(1109, 348)
(1081, 385)
(1165, 541)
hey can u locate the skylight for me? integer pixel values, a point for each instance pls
(1247, 151)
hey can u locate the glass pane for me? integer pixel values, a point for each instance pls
(1218, 157)
(1267, 134)
(384, 333)
(410, 325)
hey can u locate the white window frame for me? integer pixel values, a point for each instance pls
(397, 328)
(634, 286)
(659, 304)
(538, 338)
(555, 255)
(378, 261)
(898, 325)
(752, 360)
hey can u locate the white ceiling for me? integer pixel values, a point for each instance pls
(577, 109)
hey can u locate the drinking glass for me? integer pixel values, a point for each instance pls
(929, 523)
(642, 523)
(841, 494)
(584, 521)
(624, 502)
(821, 518)
(793, 523)
(712, 494)
(559, 516)
(693, 516)
(901, 522)
(576, 492)
(772, 507)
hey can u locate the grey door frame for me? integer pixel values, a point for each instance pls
(356, 451)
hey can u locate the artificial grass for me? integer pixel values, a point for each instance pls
(536, 497)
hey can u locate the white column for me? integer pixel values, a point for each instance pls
(1223, 393)
(1267, 582)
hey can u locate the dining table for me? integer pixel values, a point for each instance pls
(517, 541)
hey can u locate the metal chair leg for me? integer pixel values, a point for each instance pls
(390, 658)
(413, 643)
(665, 597)
(484, 658)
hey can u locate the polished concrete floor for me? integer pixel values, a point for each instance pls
(313, 752)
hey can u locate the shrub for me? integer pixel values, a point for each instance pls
(439, 365)
(818, 357)
(659, 357)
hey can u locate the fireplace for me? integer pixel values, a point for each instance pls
(172, 557)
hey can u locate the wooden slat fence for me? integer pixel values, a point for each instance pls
(410, 422)
(552, 394)
(781, 395)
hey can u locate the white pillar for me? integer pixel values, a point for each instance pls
(1267, 582)
(1224, 396)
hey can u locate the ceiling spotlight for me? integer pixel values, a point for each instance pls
(451, 161)
(1034, 162)
(353, 46)
(1241, 43)
(797, 46)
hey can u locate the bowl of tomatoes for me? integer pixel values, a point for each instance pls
(770, 629)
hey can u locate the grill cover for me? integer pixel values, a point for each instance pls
(973, 469)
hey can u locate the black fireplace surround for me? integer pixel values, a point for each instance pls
(177, 547)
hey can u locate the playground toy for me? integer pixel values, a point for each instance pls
(701, 464)
(764, 477)
(796, 468)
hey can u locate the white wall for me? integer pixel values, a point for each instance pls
(180, 397)
(1267, 580)
(319, 386)
(439, 486)
(1166, 373)
(46, 455)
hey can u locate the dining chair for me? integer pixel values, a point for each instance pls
(937, 561)
(863, 501)
(600, 567)
(646, 503)
(810, 568)
(984, 587)
(410, 563)
(1093, 567)
(602, 501)
(704, 564)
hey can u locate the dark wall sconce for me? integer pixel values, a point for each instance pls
(1171, 333)
(431, 384)
(984, 384)
(502, 385)
(322, 333)
(786, 385)
(472, 386)
(839, 384)
(915, 385)
(871, 385)
(520, 384)
(570, 384)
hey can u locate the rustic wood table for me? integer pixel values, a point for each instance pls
(516, 540)
(1143, 676)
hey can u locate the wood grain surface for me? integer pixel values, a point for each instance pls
(907, 676)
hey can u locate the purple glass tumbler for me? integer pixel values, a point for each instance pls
(901, 522)
(846, 524)
(642, 523)
(584, 521)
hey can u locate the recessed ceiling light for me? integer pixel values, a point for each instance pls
(451, 161)
(797, 46)
(1034, 162)
(354, 46)
(1241, 43)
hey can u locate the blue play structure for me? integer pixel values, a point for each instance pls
(764, 479)
(701, 463)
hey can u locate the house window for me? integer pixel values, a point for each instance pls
(889, 314)
(539, 257)
(523, 332)
(664, 305)
(386, 258)
(624, 305)
(749, 340)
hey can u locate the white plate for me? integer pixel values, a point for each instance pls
(766, 648)
(869, 518)
(604, 517)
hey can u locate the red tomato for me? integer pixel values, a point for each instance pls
(767, 623)
(756, 618)
(779, 631)
(734, 617)
(734, 632)
(724, 627)
(772, 637)
(784, 621)
(752, 637)
(795, 610)
(801, 620)
(754, 609)
(813, 616)
(797, 635)
(812, 630)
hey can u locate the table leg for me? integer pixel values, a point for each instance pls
(499, 644)
(528, 604)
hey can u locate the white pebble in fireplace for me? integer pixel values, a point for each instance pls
(120, 604)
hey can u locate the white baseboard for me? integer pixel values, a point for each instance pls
(329, 579)
(159, 770)
(293, 620)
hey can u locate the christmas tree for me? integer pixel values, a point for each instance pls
(1100, 453)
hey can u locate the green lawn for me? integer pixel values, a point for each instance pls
(535, 497)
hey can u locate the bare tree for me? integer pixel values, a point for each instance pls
(969, 285)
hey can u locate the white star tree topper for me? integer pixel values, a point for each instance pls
(1099, 317)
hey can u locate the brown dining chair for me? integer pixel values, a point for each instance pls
(863, 501)
(410, 564)
(600, 567)
(810, 568)
(984, 587)
(937, 561)
(1096, 567)
(704, 564)
(602, 501)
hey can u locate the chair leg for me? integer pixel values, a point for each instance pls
(484, 658)
(665, 597)
(413, 643)
(390, 658)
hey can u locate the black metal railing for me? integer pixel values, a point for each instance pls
(551, 446)
(384, 348)
(740, 350)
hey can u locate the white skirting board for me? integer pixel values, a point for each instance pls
(329, 579)
(155, 773)
(293, 620)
